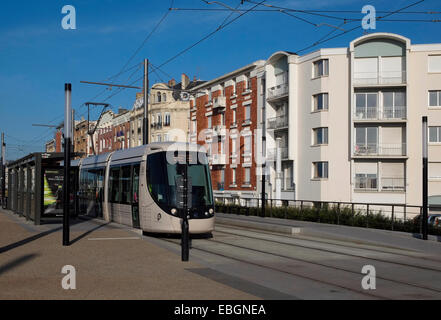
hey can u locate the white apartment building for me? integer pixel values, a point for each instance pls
(345, 124)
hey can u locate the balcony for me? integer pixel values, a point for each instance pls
(366, 183)
(374, 149)
(387, 184)
(288, 184)
(388, 113)
(272, 154)
(220, 130)
(393, 184)
(219, 102)
(383, 78)
(156, 125)
(278, 91)
(218, 159)
(278, 122)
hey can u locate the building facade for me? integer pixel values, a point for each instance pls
(121, 130)
(104, 133)
(82, 140)
(224, 119)
(346, 123)
(169, 110)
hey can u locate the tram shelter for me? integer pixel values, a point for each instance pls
(36, 187)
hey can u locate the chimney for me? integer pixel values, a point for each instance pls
(194, 78)
(184, 81)
(172, 83)
(139, 95)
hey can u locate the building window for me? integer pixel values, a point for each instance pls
(158, 97)
(321, 101)
(435, 134)
(320, 136)
(435, 63)
(435, 98)
(234, 117)
(233, 176)
(233, 146)
(365, 181)
(320, 170)
(249, 83)
(247, 177)
(167, 119)
(394, 104)
(366, 140)
(159, 119)
(233, 92)
(164, 97)
(321, 68)
(209, 122)
(166, 137)
(247, 113)
(247, 144)
(366, 105)
(193, 126)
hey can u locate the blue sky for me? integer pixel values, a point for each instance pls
(37, 56)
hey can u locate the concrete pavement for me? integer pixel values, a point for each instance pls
(111, 262)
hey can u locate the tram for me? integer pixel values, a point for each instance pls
(138, 187)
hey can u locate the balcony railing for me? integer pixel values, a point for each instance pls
(272, 153)
(218, 159)
(388, 113)
(220, 130)
(219, 102)
(278, 122)
(278, 91)
(287, 184)
(387, 184)
(375, 78)
(393, 184)
(373, 149)
(366, 183)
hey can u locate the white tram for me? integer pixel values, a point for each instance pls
(137, 187)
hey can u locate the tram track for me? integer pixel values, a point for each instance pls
(342, 253)
(327, 266)
(340, 244)
(308, 262)
(332, 284)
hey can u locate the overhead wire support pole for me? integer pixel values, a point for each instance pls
(424, 218)
(145, 136)
(67, 156)
(3, 165)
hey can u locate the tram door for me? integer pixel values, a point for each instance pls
(135, 196)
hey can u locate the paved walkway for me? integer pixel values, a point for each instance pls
(111, 261)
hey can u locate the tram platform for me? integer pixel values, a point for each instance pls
(111, 262)
(332, 232)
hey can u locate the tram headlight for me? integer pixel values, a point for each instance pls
(211, 211)
(173, 211)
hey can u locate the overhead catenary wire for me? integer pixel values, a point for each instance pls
(355, 28)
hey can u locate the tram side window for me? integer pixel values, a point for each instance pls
(157, 178)
(115, 192)
(126, 184)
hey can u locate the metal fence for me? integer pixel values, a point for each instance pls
(401, 217)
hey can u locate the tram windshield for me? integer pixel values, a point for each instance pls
(162, 177)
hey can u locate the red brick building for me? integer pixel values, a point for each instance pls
(224, 118)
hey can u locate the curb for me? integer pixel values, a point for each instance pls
(258, 225)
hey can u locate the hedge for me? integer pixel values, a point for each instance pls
(332, 215)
